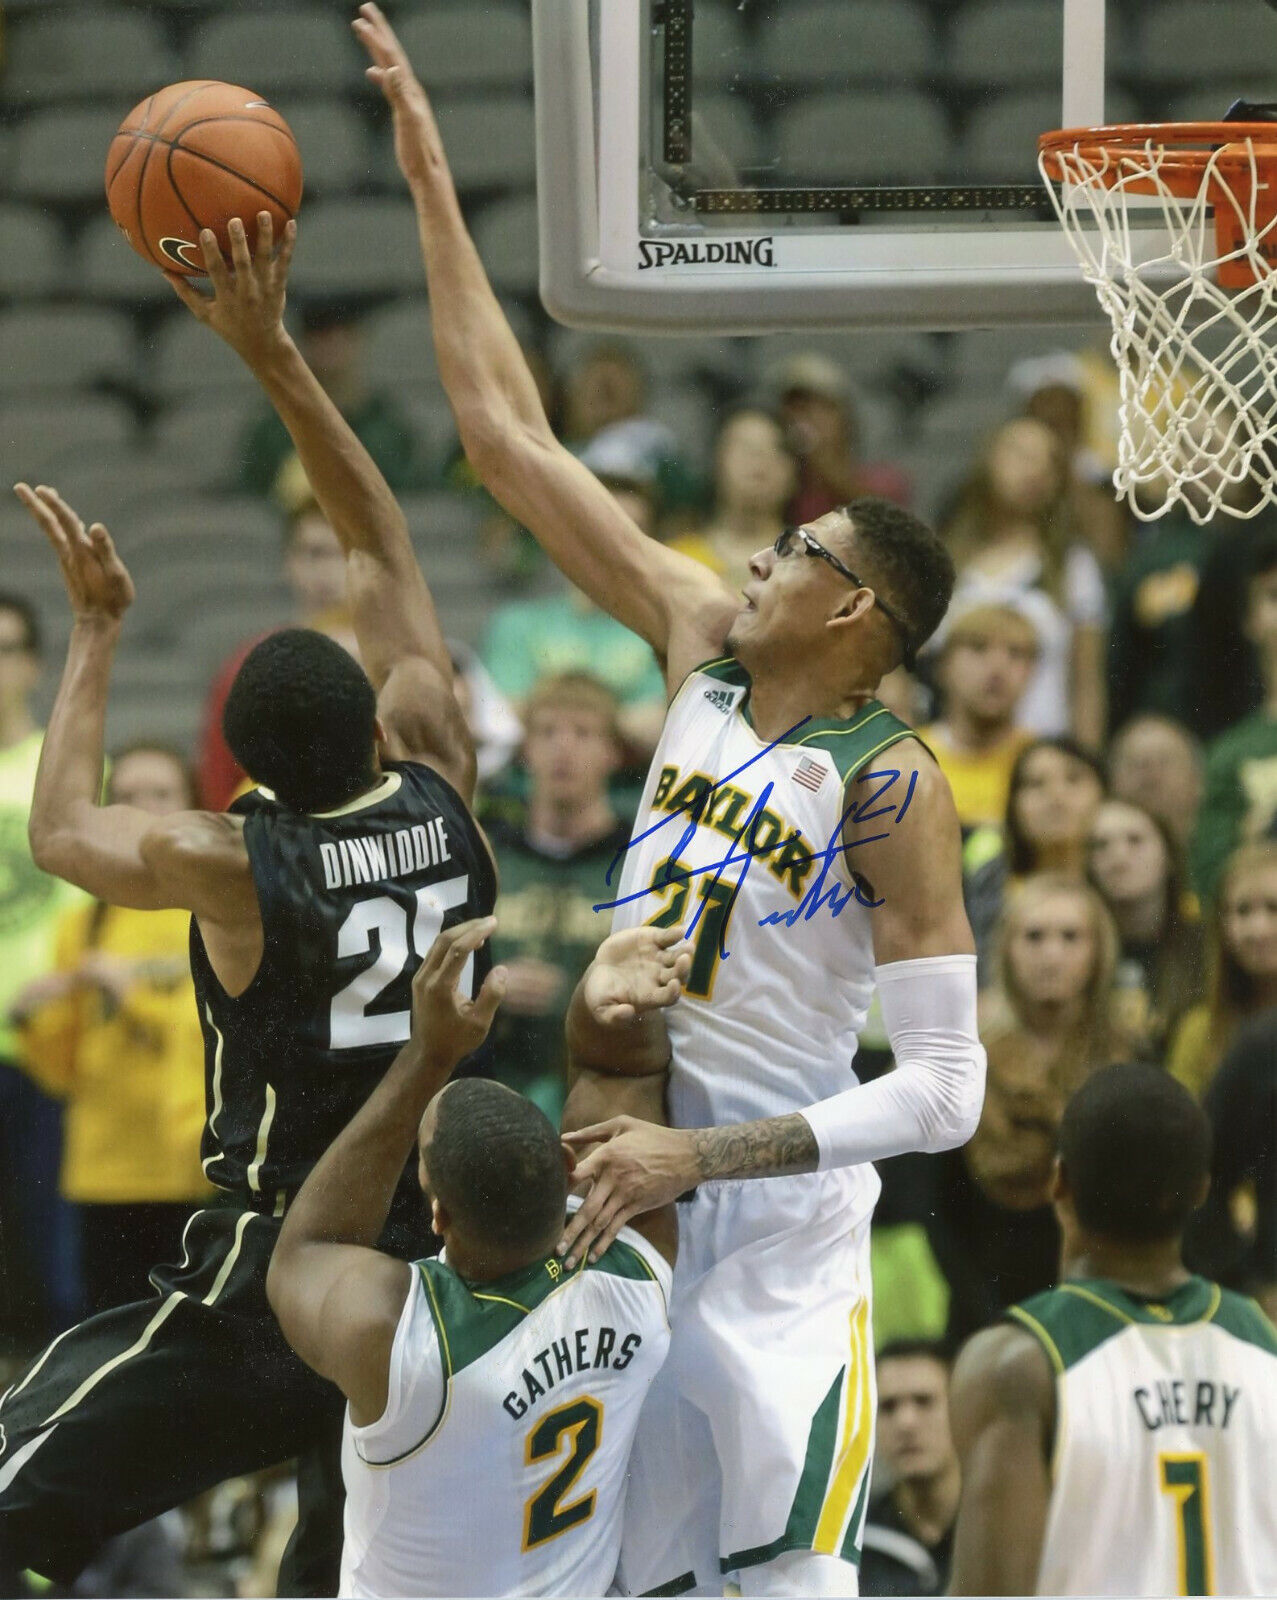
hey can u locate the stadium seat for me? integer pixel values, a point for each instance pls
(205, 434)
(1000, 143)
(871, 357)
(1209, 103)
(36, 433)
(61, 154)
(239, 529)
(108, 268)
(881, 41)
(981, 358)
(184, 358)
(870, 137)
(490, 140)
(1001, 42)
(335, 145)
(1183, 42)
(70, 55)
(399, 348)
(364, 246)
(276, 49)
(63, 347)
(461, 45)
(506, 236)
(441, 521)
(32, 258)
(958, 424)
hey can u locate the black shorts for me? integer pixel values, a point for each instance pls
(145, 1406)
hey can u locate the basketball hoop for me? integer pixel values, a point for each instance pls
(1193, 301)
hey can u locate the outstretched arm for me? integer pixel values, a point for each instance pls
(674, 603)
(337, 1297)
(190, 859)
(618, 1046)
(1002, 1405)
(400, 640)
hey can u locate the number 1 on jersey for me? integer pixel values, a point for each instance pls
(350, 1025)
(1186, 1477)
(672, 878)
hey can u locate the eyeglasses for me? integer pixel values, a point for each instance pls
(812, 546)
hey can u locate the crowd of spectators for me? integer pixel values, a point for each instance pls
(1118, 800)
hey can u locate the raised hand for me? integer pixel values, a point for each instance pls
(418, 147)
(247, 304)
(97, 581)
(445, 1024)
(636, 971)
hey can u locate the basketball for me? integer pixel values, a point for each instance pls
(193, 156)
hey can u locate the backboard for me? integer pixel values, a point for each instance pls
(745, 166)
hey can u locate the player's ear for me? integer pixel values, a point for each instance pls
(380, 738)
(440, 1221)
(1058, 1188)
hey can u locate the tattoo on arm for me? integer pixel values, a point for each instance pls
(772, 1148)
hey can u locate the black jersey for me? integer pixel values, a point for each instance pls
(351, 901)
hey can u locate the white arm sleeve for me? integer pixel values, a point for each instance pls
(931, 1101)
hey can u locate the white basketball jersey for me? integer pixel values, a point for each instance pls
(499, 1464)
(1165, 1427)
(732, 843)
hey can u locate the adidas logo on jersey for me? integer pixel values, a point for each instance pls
(721, 699)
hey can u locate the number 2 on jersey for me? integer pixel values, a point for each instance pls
(1185, 1476)
(350, 1025)
(543, 1517)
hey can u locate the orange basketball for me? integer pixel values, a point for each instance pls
(193, 156)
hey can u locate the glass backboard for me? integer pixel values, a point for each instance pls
(754, 165)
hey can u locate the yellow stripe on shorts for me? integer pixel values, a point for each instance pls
(855, 1440)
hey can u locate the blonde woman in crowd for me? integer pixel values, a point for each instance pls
(1139, 870)
(1014, 543)
(1241, 963)
(1047, 1025)
(114, 1032)
(1055, 789)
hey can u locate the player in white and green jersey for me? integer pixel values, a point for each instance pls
(493, 1394)
(1116, 1432)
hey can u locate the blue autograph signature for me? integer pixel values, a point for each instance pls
(823, 891)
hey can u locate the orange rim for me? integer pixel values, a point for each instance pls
(1193, 143)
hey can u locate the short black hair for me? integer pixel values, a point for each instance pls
(911, 561)
(915, 1350)
(496, 1164)
(29, 617)
(300, 718)
(1135, 1147)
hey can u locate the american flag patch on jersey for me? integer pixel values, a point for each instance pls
(810, 774)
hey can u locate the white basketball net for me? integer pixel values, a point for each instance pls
(1197, 361)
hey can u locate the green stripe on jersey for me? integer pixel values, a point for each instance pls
(848, 741)
(804, 1513)
(1241, 1317)
(474, 1317)
(1079, 1315)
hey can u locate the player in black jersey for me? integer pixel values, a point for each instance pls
(314, 901)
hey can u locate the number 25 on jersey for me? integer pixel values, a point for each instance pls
(351, 1025)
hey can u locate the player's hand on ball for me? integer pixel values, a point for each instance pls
(417, 144)
(446, 1024)
(247, 304)
(635, 1167)
(97, 581)
(637, 970)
